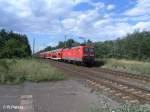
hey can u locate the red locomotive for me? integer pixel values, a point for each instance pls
(78, 54)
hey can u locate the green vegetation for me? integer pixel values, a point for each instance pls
(135, 46)
(14, 71)
(13, 45)
(136, 67)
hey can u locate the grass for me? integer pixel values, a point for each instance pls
(136, 67)
(16, 71)
(122, 108)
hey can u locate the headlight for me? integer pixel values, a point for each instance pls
(85, 55)
(91, 54)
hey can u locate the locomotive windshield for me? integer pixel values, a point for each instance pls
(88, 50)
(91, 50)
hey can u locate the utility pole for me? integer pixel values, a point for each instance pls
(33, 45)
(65, 41)
(83, 40)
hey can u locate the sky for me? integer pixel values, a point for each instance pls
(48, 21)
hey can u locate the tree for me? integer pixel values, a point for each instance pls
(13, 45)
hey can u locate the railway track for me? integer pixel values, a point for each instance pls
(144, 79)
(119, 88)
(123, 74)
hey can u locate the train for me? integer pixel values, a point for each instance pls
(82, 54)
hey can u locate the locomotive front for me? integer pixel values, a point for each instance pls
(88, 55)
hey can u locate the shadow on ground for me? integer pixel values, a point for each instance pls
(98, 63)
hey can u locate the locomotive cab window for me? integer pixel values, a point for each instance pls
(88, 50)
(91, 49)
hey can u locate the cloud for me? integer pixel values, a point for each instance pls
(79, 23)
(20, 8)
(142, 7)
(56, 18)
(142, 26)
(107, 29)
(110, 7)
(34, 16)
(69, 23)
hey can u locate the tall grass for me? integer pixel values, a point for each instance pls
(16, 71)
(136, 67)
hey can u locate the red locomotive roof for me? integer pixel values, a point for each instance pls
(57, 50)
(80, 46)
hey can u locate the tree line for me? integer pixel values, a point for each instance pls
(134, 46)
(13, 45)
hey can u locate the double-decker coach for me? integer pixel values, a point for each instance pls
(56, 54)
